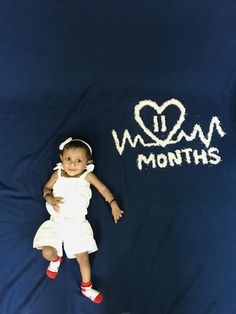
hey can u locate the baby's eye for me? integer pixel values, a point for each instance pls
(67, 158)
(79, 160)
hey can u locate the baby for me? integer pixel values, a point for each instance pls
(67, 195)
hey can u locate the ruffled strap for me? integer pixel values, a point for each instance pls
(59, 167)
(89, 168)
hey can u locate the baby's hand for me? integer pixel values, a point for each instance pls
(55, 202)
(116, 211)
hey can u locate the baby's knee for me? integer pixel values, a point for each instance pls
(83, 258)
(49, 253)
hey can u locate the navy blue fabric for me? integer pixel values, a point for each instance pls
(82, 67)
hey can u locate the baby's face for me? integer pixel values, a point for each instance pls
(74, 161)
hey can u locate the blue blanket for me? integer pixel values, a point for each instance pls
(151, 86)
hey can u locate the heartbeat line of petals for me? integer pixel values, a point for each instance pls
(197, 131)
(126, 137)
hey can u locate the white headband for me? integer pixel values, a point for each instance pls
(68, 140)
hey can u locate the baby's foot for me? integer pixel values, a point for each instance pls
(53, 267)
(88, 291)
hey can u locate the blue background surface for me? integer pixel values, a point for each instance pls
(82, 67)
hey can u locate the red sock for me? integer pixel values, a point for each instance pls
(53, 267)
(89, 292)
(86, 284)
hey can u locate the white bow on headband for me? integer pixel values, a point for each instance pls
(68, 140)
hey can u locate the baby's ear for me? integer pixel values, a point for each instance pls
(89, 162)
(61, 157)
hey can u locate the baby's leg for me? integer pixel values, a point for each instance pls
(86, 285)
(84, 264)
(50, 254)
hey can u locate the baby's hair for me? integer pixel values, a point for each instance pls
(78, 143)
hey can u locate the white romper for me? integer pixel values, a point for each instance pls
(69, 226)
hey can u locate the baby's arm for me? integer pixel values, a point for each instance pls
(106, 193)
(47, 193)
